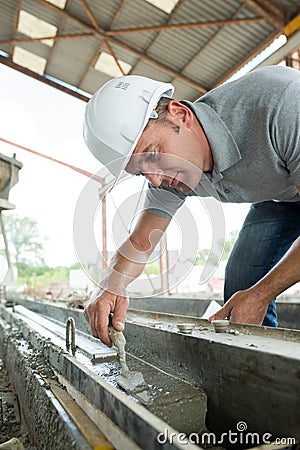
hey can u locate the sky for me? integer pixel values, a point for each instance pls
(50, 121)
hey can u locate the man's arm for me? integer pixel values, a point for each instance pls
(126, 265)
(250, 305)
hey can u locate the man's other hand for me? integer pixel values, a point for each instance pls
(243, 307)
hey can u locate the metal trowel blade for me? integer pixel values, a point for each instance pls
(131, 381)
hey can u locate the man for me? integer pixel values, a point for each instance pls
(244, 138)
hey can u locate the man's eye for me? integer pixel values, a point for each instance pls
(151, 156)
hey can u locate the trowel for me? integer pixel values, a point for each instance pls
(131, 381)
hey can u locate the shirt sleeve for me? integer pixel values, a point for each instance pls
(162, 201)
(287, 130)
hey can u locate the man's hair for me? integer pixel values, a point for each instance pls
(162, 113)
(162, 110)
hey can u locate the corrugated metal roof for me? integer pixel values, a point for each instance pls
(190, 49)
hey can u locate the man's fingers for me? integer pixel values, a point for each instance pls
(101, 323)
(222, 314)
(119, 316)
(98, 322)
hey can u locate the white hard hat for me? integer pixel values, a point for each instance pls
(116, 116)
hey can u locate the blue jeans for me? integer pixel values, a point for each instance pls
(269, 230)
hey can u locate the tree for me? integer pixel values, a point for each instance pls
(25, 241)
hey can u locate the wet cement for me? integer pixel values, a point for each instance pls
(179, 404)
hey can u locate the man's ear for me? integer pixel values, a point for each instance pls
(180, 114)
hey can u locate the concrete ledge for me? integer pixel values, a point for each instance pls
(47, 421)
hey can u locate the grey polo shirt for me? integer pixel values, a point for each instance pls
(253, 127)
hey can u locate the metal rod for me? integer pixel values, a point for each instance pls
(54, 38)
(77, 169)
(114, 56)
(70, 328)
(90, 14)
(180, 26)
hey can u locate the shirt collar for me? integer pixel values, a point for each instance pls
(223, 146)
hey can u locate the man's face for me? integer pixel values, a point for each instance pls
(168, 156)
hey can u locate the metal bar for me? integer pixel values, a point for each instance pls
(160, 66)
(210, 40)
(8, 62)
(181, 26)
(55, 38)
(67, 15)
(70, 330)
(114, 56)
(70, 166)
(117, 15)
(271, 13)
(171, 16)
(97, 52)
(90, 14)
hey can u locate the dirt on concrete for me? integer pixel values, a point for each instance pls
(11, 423)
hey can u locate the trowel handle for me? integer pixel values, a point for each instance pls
(110, 317)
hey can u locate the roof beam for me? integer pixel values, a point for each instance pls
(269, 11)
(272, 13)
(8, 62)
(135, 52)
(90, 14)
(249, 57)
(171, 16)
(97, 52)
(54, 38)
(114, 56)
(117, 15)
(96, 25)
(240, 8)
(291, 46)
(160, 66)
(180, 26)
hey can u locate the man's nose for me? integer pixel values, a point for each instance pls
(154, 178)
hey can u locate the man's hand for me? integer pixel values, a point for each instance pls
(243, 307)
(97, 313)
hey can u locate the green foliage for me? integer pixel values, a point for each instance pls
(25, 242)
(26, 248)
(44, 275)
